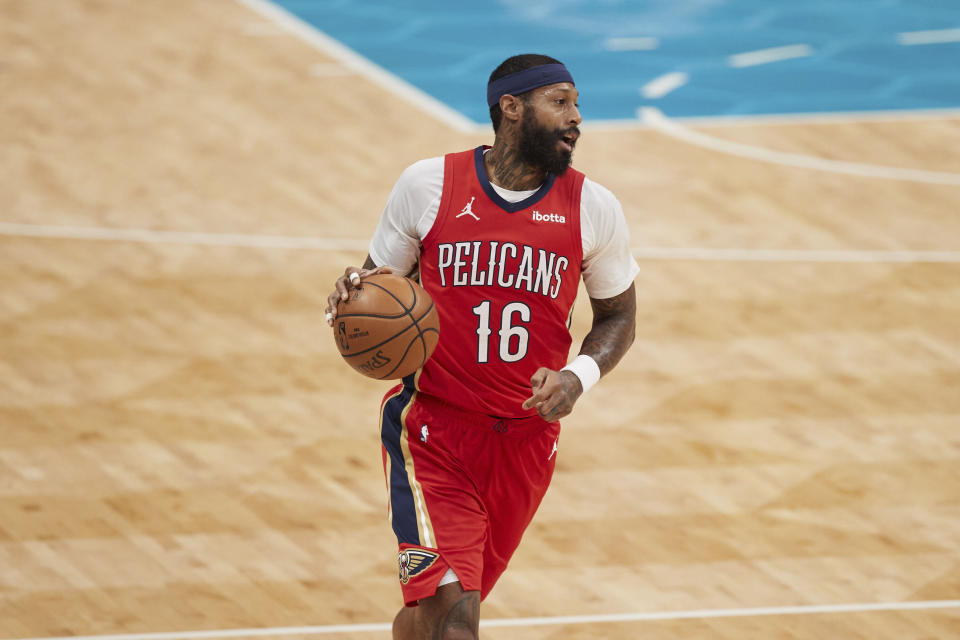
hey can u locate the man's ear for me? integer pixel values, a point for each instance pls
(512, 107)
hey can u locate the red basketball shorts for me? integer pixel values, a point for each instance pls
(462, 488)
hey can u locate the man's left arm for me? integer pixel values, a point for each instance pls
(612, 333)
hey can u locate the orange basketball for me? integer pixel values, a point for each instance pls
(388, 328)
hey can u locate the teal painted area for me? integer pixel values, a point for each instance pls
(448, 49)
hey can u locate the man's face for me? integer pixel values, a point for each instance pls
(548, 130)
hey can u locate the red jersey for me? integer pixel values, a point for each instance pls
(504, 277)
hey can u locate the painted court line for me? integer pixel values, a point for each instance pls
(826, 117)
(703, 614)
(380, 76)
(706, 254)
(661, 123)
(331, 70)
(780, 119)
(938, 36)
(766, 56)
(659, 87)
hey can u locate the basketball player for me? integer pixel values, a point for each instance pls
(501, 236)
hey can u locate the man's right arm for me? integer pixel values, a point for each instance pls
(410, 211)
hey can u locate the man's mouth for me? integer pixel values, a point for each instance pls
(568, 139)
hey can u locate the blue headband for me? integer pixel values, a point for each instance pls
(523, 81)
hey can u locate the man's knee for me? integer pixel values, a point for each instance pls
(458, 634)
(403, 625)
(451, 614)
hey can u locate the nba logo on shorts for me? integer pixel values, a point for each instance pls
(414, 562)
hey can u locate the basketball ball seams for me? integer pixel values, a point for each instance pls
(402, 358)
(392, 295)
(375, 315)
(377, 346)
(423, 359)
(423, 342)
(415, 324)
(340, 316)
(406, 310)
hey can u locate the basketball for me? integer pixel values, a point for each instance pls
(387, 328)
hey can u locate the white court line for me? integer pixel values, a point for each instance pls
(938, 36)
(151, 236)
(380, 76)
(631, 44)
(661, 123)
(331, 70)
(825, 117)
(766, 56)
(661, 86)
(793, 255)
(702, 614)
(781, 119)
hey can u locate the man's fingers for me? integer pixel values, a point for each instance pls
(534, 400)
(557, 407)
(351, 278)
(546, 407)
(538, 378)
(342, 288)
(536, 384)
(331, 310)
(355, 275)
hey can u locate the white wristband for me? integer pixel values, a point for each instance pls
(585, 368)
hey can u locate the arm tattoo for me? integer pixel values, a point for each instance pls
(463, 615)
(612, 333)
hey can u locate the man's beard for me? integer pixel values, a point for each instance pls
(538, 146)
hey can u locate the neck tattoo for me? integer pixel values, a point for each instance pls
(507, 170)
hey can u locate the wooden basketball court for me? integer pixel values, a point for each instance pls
(182, 450)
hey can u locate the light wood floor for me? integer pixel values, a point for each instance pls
(181, 448)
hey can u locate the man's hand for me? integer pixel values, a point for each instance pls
(349, 280)
(554, 393)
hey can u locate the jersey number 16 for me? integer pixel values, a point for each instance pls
(511, 335)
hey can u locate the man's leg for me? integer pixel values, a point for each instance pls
(450, 614)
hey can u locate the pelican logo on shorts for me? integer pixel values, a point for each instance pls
(413, 562)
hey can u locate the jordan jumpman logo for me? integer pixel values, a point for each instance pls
(468, 210)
